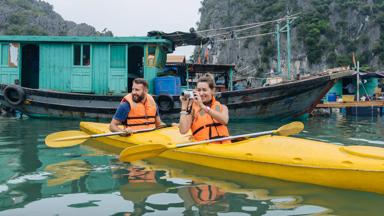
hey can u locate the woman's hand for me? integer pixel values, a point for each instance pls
(185, 117)
(184, 102)
(197, 99)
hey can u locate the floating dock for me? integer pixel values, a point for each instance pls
(376, 103)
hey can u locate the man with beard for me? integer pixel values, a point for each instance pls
(137, 110)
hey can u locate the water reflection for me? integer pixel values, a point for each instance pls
(82, 180)
(143, 189)
(163, 189)
(208, 199)
(150, 191)
(67, 171)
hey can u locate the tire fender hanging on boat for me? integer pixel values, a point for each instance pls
(14, 95)
(165, 103)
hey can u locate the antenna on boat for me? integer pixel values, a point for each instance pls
(287, 29)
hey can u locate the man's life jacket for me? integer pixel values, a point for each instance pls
(204, 127)
(206, 194)
(142, 115)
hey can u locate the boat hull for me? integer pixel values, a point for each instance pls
(285, 100)
(286, 158)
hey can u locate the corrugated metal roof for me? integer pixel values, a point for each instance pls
(86, 39)
(175, 59)
(204, 68)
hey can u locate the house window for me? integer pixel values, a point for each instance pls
(81, 55)
(151, 57)
(77, 54)
(86, 55)
(4, 54)
(118, 56)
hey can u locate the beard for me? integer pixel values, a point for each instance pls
(138, 98)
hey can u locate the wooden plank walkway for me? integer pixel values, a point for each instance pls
(351, 104)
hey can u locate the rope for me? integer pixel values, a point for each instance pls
(238, 30)
(251, 36)
(294, 16)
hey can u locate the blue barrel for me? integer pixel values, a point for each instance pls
(169, 85)
(331, 97)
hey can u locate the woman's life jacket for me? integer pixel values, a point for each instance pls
(204, 127)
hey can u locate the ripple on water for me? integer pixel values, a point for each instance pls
(301, 210)
(284, 199)
(101, 168)
(8, 151)
(368, 141)
(8, 142)
(3, 188)
(180, 181)
(107, 204)
(29, 177)
(249, 208)
(164, 198)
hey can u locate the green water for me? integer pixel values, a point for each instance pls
(82, 180)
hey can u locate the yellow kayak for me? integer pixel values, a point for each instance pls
(288, 158)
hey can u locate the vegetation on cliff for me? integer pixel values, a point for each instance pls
(324, 35)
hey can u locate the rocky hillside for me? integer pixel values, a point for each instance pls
(35, 17)
(324, 35)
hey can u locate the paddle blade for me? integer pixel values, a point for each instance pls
(66, 139)
(140, 152)
(290, 129)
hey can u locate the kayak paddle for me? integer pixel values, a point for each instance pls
(72, 137)
(140, 152)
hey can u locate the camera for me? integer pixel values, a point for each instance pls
(187, 93)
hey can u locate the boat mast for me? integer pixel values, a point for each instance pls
(358, 81)
(289, 48)
(277, 32)
(286, 28)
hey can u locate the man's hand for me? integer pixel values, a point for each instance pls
(128, 132)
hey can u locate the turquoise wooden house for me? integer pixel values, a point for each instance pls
(91, 65)
(369, 82)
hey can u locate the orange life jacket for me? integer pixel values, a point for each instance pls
(206, 194)
(205, 127)
(141, 115)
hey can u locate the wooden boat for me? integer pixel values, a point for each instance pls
(284, 100)
(86, 77)
(287, 158)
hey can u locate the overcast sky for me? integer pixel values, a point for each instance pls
(132, 17)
